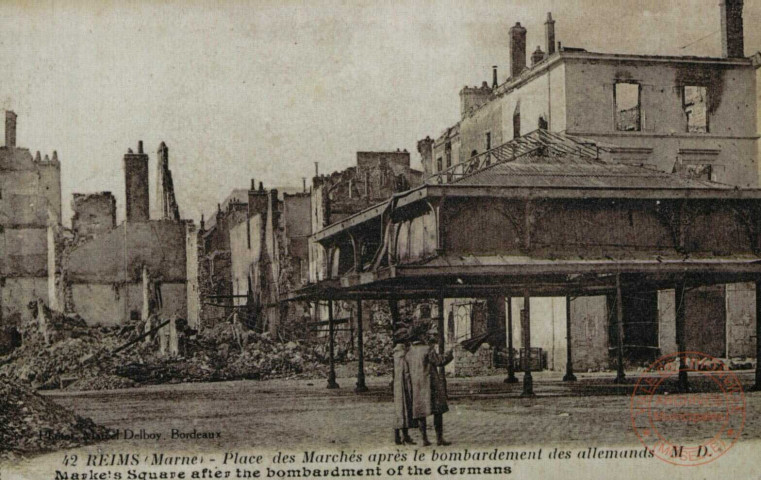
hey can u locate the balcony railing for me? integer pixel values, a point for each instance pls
(538, 142)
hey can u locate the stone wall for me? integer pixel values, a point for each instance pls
(466, 364)
(94, 214)
(192, 273)
(158, 244)
(30, 200)
(103, 276)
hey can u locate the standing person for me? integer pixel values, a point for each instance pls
(402, 395)
(429, 391)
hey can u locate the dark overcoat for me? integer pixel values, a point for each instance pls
(402, 389)
(429, 389)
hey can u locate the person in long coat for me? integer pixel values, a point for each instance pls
(429, 390)
(402, 396)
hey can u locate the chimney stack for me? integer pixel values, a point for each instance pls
(10, 129)
(517, 50)
(253, 184)
(537, 56)
(549, 34)
(494, 82)
(732, 41)
(136, 185)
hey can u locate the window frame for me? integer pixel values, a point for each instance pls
(684, 111)
(615, 105)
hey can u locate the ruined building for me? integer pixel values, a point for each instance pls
(166, 203)
(30, 201)
(104, 271)
(375, 178)
(215, 274)
(695, 117)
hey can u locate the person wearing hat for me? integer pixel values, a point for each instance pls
(402, 389)
(429, 391)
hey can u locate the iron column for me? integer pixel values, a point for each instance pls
(569, 376)
(757, 386)
(510, 357)
(528, 381)
(681, 344)
(620, 329)
(331, 332)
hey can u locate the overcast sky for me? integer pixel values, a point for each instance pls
(264, 89)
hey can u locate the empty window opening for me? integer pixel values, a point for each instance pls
(488, 140)
(448, 153)
(628, 115)
(694, 104)
(439, 164)
(517, 121)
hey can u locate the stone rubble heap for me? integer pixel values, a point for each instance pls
(30, 423)
(74, 356)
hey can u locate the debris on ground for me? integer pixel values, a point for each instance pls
(30, 423)
(66, 353)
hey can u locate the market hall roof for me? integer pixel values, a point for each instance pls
(545, 164)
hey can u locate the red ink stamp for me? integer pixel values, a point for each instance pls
(688, 429)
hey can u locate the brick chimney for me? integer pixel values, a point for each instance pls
(425, 147)
(517, 50)
(732, 42)
(537, 56)
(10, 129)
(549, 34)
(136, 185)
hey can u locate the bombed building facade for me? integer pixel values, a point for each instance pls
(214, 268)
(112, 274)
(30, 202)
(253, 248)
(691, 116)
(569, 119)
(375, 178)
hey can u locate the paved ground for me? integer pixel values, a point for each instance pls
(297, 416)
(484, 412)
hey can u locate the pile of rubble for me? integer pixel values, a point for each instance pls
(223, 354)
(79, 352)
(30, 424)
(63, 352)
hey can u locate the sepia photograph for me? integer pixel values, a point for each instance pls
(346, 239)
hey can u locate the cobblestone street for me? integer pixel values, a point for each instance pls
(302, 413)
